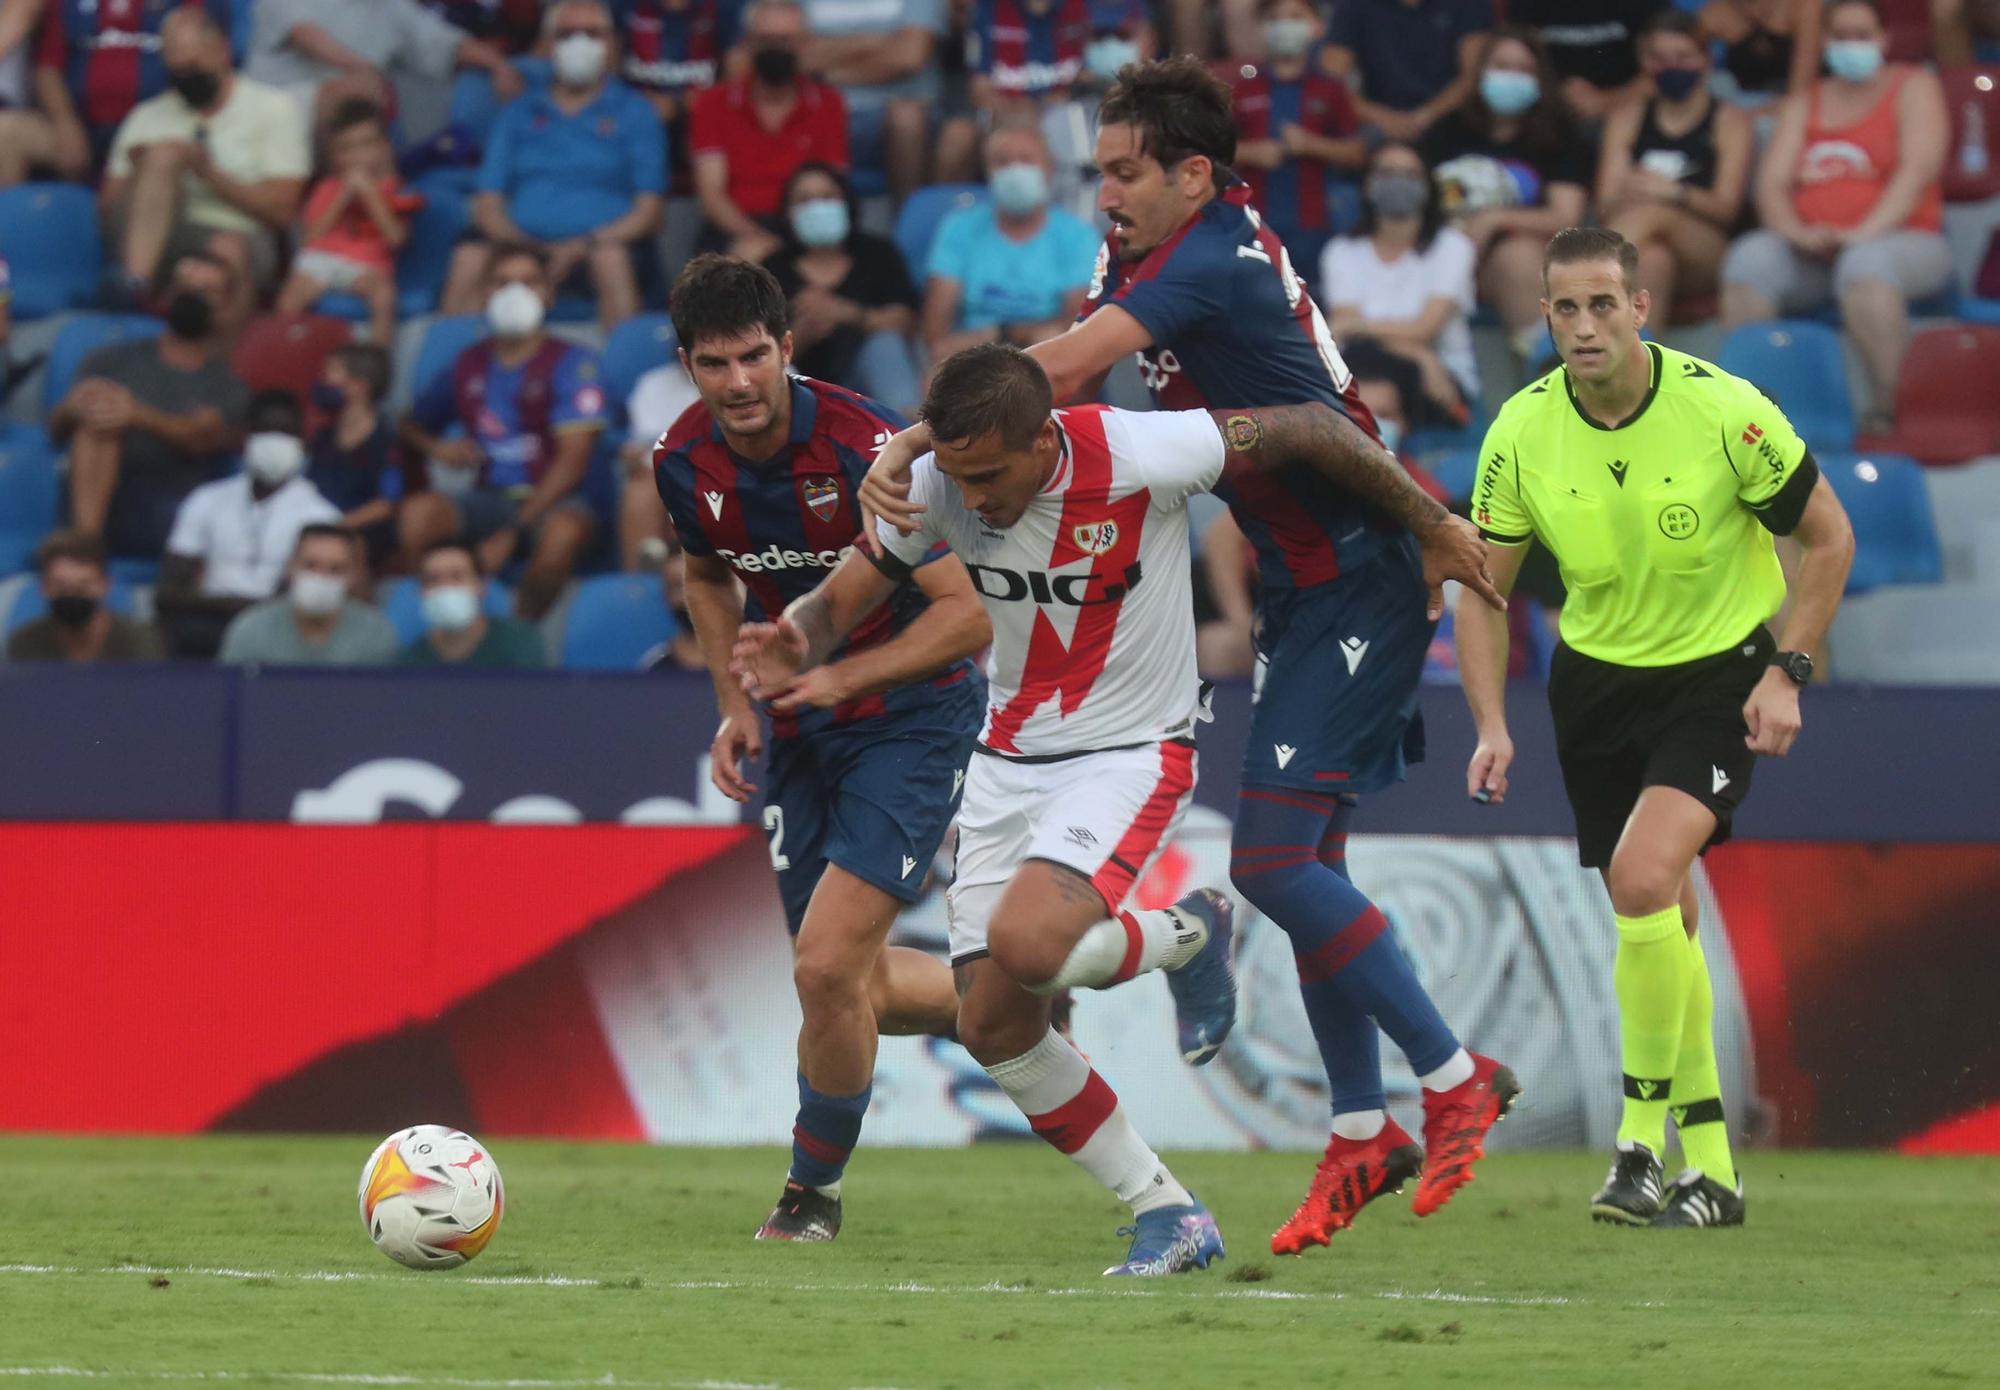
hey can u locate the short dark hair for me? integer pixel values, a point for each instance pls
(276, 411)
(1179, 108)
(991, 388)
(353, 112)
(201, 257)
(367, 363)
(1573, 245)
(724, 297)
(508, 250)
(323, 530)
(457, 543)
(80, 546)
(1672, 21)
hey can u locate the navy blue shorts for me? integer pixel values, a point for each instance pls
(875, 797)
(1339, 665)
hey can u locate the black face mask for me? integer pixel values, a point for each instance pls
(198, 86)
(775, 67)
(189, 316)
(72, 610)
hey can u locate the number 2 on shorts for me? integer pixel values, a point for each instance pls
(774, 821)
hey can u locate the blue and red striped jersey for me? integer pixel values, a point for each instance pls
(108, 52)
(1293, 195)
(1028, 49)
(784, 523)
(1233, 325)
(670, 45)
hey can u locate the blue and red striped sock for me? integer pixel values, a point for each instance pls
(1289, 861)
(825, 1134)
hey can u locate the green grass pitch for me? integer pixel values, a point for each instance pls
(241, 1261)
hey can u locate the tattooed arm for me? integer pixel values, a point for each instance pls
(1333, 446)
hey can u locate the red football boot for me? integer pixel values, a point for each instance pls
(1354, 1173)
(1455, 1125)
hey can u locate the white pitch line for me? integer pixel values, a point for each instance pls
(1132, 1289)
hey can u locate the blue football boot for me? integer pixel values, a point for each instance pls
(1204, 989)
(1170, 1240)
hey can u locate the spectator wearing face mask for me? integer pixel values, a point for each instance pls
(1012, 269)
(1593, 48)
(531, 407)
(1512, 170)
(853, 306)
(78, 626)
(457, 631)
(1398, 294)
(233, 538)
(577, 169)
(1296, 129)
(215, 163)
(93, 63)
(151, 419)
(1049, 58)
(750, 133)
(1851, 197)
(317, 621)
(351, 458)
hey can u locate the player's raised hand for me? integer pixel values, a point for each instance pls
(740, 737)
(767, 657)
(885, 491)
(1453, 549)
(1486, 774)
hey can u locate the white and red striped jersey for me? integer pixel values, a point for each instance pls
(1089, 592)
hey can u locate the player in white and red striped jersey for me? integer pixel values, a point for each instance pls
(1073, 525)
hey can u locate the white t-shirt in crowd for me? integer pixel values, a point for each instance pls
(244, 544)
(1353, 276)
(658, 399)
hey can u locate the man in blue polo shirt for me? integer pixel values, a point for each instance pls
(577, 168)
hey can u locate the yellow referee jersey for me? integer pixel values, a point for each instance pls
(1662, 525)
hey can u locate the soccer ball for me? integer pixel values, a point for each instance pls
(430, 1197)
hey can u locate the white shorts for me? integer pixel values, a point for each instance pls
(335, 272)
(1106, 815)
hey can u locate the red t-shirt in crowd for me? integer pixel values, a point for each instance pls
(724, 122)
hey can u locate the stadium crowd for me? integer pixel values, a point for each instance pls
(336, 327)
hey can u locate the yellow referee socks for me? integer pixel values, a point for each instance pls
(1651, 975)
(1697, 1100)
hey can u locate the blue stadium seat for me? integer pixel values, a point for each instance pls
(1895, 534)
(30, 605)
(27, 494)
(402, 599)
(1456, 470)
(444, 339)
(1799, 365)
(49, 238)
(634, 348)
(923, 210)
(613, 621)
(82, 335)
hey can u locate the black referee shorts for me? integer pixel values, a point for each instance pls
(1621, 729)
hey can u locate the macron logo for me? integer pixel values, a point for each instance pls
(1353, 648)
(1284, 752)
(1646, 1089)
(908, 864)
(1720, 780)
(714, 500)
(957, 780)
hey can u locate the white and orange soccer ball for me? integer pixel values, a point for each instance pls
(431, 1197)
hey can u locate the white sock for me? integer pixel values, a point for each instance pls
(1456, 1071)
(1360, 1125)
(1132, 943)
(1073, 1108)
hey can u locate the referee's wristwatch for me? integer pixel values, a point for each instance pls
(1797, 665)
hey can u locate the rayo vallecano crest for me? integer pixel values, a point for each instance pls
(1096, 538)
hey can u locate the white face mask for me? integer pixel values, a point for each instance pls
(451, 607)
(317, 595)
(579, 60)
(273, 458)
(514, 311)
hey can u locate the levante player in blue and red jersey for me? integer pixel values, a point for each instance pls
(868, 752)
(1193, 282)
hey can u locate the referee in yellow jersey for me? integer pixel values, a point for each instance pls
(1658, 480)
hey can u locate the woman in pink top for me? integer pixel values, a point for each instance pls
(1850, 199)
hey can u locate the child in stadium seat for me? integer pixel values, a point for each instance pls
(352, 455)
(356, 220)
